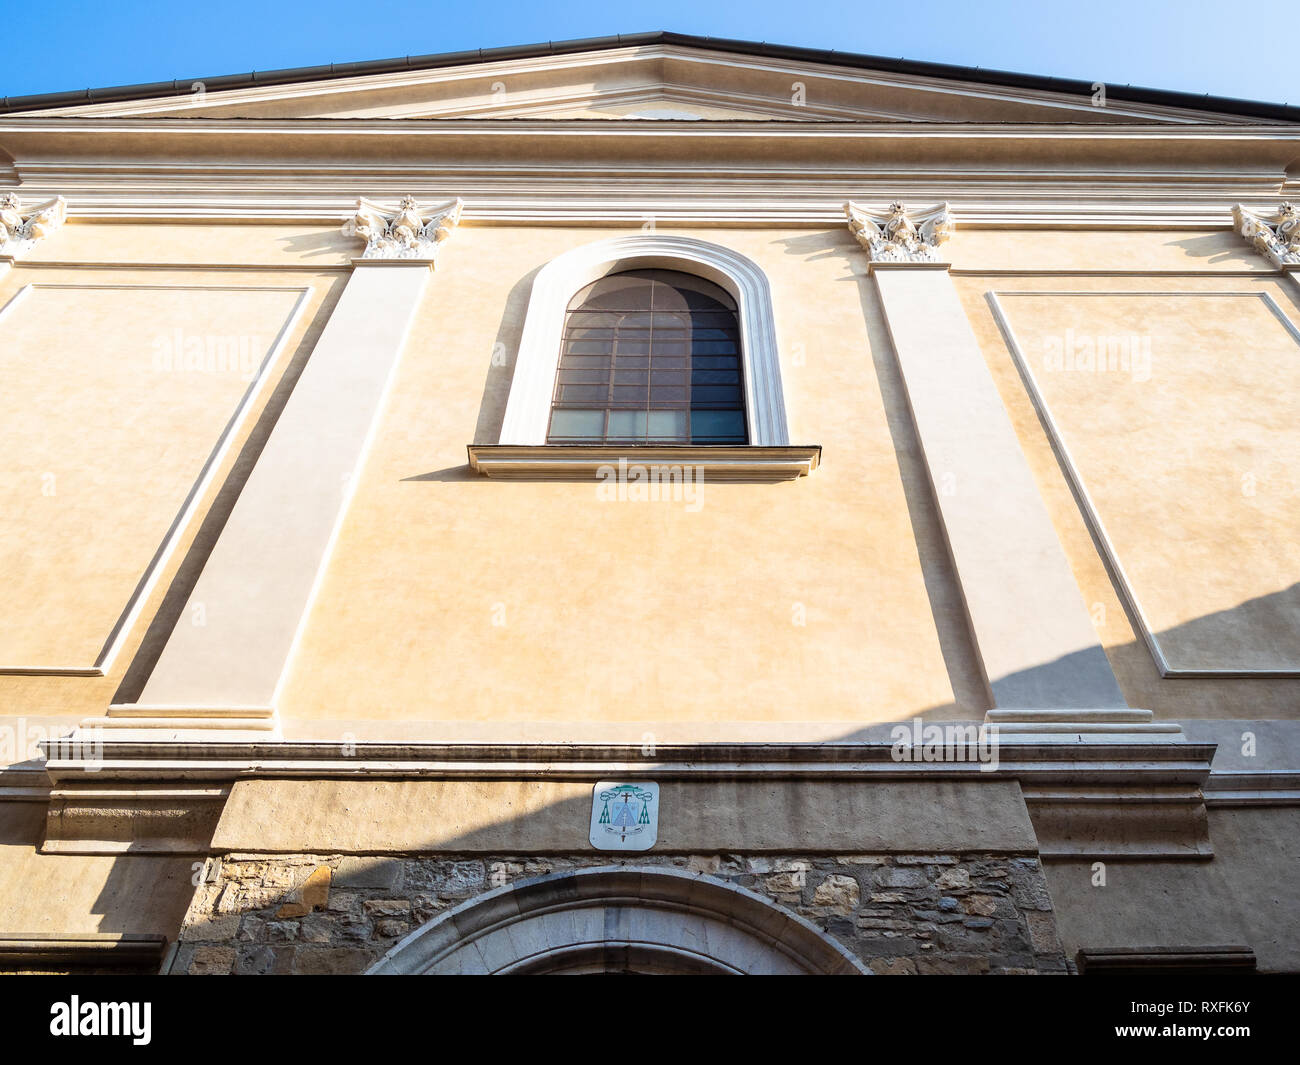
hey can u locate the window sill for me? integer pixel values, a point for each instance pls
(583, 462)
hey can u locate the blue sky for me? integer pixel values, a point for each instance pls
(1193, 45)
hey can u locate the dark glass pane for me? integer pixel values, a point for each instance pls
(593, 320)
(644, 321)
(584, 394)
(584, 362)
(587, 347)
(629, 396)
(700, 333)
(714, 377)
(583, 377)
(718, 426)
(714, 395)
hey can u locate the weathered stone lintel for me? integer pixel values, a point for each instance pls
(133, 820)
(552, 816)
(1116, 823)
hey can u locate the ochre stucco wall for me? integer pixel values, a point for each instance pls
(634, 613)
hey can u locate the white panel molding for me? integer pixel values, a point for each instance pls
(529, 406)
(1110, 556)
(144, 588)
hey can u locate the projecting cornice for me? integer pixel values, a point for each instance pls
(616, 172)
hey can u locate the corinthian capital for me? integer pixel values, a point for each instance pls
(898, 237)
(1277, 238)
(410, 232)
(21, 227)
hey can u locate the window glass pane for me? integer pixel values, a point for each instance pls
(624, 291)
(583, 362)
(627, 423)
(650, 356)
(593, 319)
(714, 395)
(668, 397)
(578, 424)
(714, 377)
(718, 426)
(667, 425)
(582, 394)
(583, 377)
(629, 395)
(669, 347)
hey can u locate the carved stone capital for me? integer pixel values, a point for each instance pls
(411, 232)
(1277, 238)
(898, 237)
(21, 227)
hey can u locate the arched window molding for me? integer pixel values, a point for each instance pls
(528, 408)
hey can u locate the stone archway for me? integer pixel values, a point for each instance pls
(618, 919)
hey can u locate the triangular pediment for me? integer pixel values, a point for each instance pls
(660, 80)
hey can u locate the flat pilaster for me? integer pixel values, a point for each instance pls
(1030, 625)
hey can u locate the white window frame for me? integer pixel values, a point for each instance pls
(528, 409)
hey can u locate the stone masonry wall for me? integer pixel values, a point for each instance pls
(902, 914)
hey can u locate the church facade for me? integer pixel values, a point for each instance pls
(649, 504)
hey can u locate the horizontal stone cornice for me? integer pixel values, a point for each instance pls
(119, 755)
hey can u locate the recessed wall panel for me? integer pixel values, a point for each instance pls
(116, 403)
(1177, 417)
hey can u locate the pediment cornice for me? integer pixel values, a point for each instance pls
(605, 81)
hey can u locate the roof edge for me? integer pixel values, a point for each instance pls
(920, 68)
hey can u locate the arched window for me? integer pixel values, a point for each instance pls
(650, 357)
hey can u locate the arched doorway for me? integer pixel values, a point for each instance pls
(618, 920)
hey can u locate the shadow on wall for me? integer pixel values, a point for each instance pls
(63, 893)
